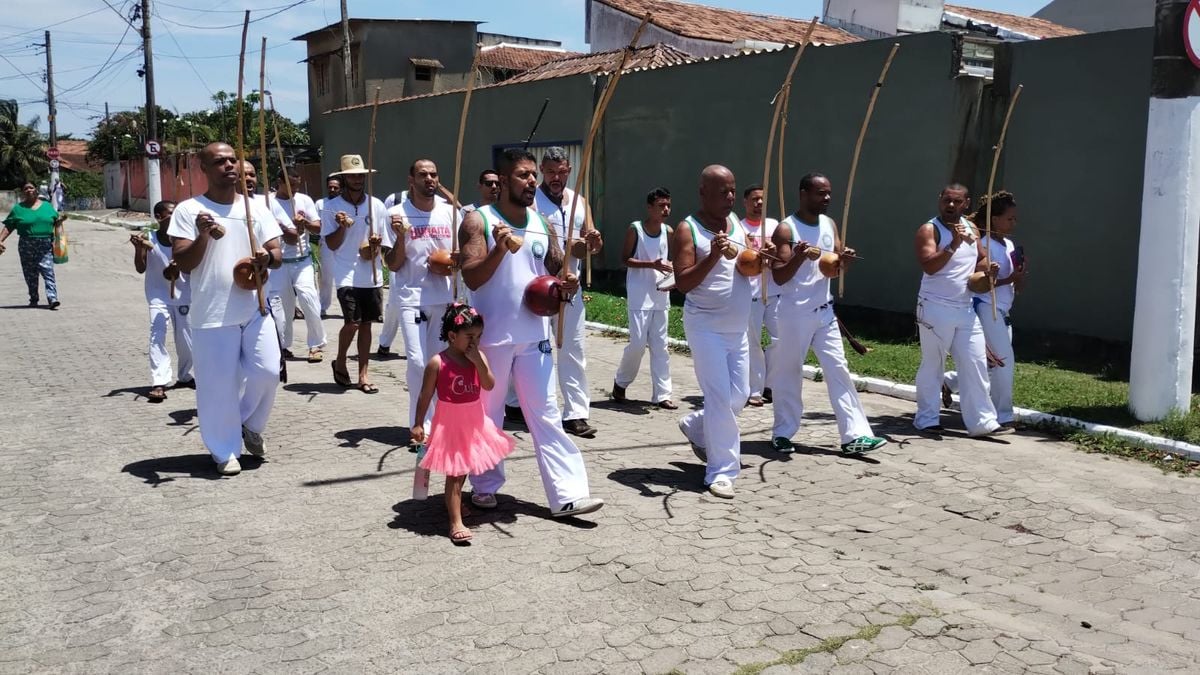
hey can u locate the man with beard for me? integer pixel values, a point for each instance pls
(235, 347)
(515, 340)
(758, 232)
(489, 191)
(555, 201)
(803, 312)
(420, 289)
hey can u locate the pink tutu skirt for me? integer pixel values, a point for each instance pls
(464, 441)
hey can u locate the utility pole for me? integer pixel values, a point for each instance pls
(153, 179)
(52, 118)
(108, 130)
(1160, 374)
(346, 66)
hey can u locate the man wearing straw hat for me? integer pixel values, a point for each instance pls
(234, 345)
(758, 232)
(803, 312)
(498, 265)
(555, 201)
(418, 228)
(949, 253)
(352, 224)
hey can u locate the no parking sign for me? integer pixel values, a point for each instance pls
(1191, 31)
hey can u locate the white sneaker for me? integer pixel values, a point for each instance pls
(700, 453)
(578, 507)
(998, 431)
(230, 468)
(253, 442)
(484, 500)
(721, 487)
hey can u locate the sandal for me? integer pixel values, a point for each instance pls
(315, 356)
(157, 394)
(368, 388)
(461, 537)
(342, 377)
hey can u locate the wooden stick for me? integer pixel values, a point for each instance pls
(462, 128)
(862, 134)
(779, 103)
(371, 185)
(241, 167)
(597, 115)
(587, 223)
(783, 115)
(262, 125)
(992, 182)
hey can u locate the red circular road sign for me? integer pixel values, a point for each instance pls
(52, 153)
(1191, 31)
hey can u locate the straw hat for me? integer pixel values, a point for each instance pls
(353, 164)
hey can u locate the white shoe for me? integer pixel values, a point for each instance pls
(721, 487)
(998, 431)
(230, 468)
(253, 442)
(700, 453)
(578, 507)
(484, 500)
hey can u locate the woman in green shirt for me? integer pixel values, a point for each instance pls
(38, 223)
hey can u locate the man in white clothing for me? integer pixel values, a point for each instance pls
(234, 344)
(803, 315)
(556, 203)
(758, 232)
(273, 288)
(949, 252)
(489, 191)
(716, 311)
(333, 187)
(296, 279)
(352, 224)
(420, 290)
(169, 304)
(648, 262)
(498, 269)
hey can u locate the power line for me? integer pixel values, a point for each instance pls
(118, 13)
(217, 56)
(23, 73)
(234, 25)
(206, 10)
(191, 65)
(57, 23)
(107, 61)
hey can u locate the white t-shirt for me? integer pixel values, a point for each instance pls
(158, 289)
(755, 238)
(1002, 254)
(401, 197)
(558, 214)
(308, 210)
(216, 300)
(413, 285)
(348, 269)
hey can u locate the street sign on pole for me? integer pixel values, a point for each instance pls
(153, 149)
(54, 164)
(52, 153)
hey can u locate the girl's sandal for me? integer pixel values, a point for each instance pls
(461, 537)
(157, 395)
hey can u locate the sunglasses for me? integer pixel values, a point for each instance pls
(490, 183)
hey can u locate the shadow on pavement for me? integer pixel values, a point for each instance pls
(390, 436)
(428, 517)
(165, 469)
(628, 406)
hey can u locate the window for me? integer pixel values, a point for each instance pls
(321, 76)
(423, 73)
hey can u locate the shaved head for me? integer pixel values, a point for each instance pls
(714, 173)
(212, 150)
(718, 189)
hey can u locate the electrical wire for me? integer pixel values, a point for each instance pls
(191, 65)
(235, 25)
(105, 65)
(57, 23)
(23, 73)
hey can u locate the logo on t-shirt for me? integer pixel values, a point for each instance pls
(827, 242)
(539, 249)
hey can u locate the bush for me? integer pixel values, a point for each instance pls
(81, 184)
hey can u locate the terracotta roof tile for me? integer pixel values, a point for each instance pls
(717, 24)
(654, 56)
(73, 156)
(1027, 25)
(513, 57)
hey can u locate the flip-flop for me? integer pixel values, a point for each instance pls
(157, 395)
(342, 377)
(461, 537)
(368, 388)
(315, 356)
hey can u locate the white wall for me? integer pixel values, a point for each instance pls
(1094, 16)
(877, 15)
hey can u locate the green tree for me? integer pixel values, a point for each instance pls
(22, 147)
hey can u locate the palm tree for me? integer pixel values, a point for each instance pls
(22, 147)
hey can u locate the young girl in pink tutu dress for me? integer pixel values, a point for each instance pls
(462, 439)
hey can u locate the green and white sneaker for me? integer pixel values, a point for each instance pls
(781, 444)
(863, 444)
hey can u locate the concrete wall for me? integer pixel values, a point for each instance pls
(1094, 16)
(1075, 160)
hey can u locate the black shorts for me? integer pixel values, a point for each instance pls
(361, 304)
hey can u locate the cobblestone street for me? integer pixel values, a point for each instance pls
(124, 551)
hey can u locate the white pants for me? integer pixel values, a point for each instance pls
(954, 331)
(720, 361)
(160, 360)
(647, 327)
(237, 374)
(998, 335)
(758, 358)
(325, 281)
(819, 331)
(298, 282)
(572, 373)
(421, 329)
(564, 476)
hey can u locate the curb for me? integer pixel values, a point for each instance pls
(909, 393)
(114, 222)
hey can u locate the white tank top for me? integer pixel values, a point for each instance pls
(558, 215)
(157, 287)
(501, 299)
(1002, 253)
(948, 286)
(756, 236)
(414, 285)
(640, 282)
(721, 302)
(808, 289)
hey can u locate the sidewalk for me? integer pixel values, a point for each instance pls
(124, 551)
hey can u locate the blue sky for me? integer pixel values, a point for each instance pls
(87, 34)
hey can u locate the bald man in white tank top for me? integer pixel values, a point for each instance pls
(949, 252)
(716, 312)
